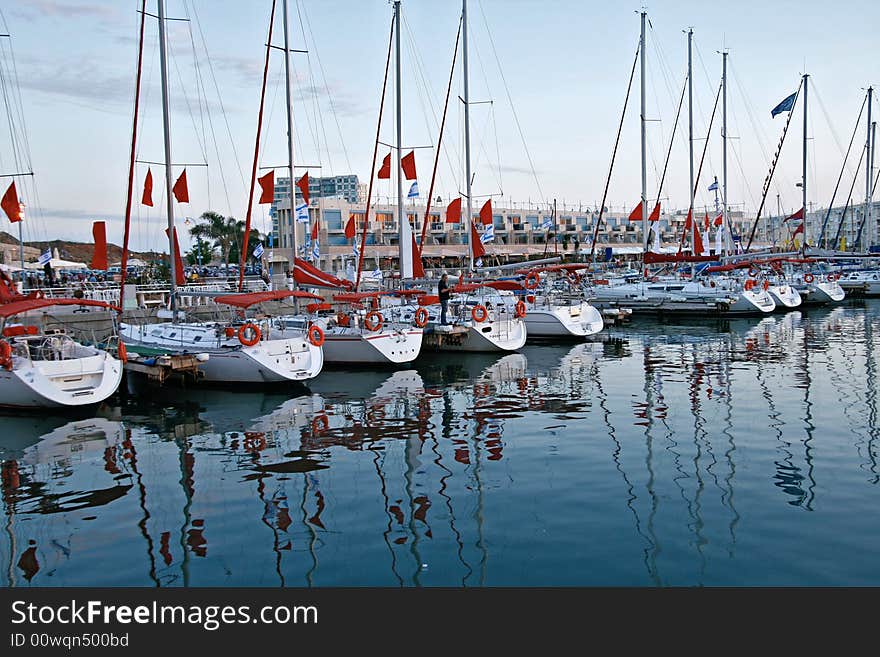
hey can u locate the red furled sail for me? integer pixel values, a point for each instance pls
(179, 278)
(99, 258)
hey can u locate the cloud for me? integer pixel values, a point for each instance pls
(511, 169)
(58, 9)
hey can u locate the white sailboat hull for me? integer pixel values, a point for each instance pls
(563, 321)
(785, 296)
(380, 348)
(68, 383)
(229, 361)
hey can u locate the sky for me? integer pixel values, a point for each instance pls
(547, 86)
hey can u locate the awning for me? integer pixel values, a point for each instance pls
(18, 307)
(249, 299)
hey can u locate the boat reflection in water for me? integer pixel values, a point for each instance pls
(687, 454)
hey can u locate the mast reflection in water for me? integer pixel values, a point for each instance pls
(741, 453)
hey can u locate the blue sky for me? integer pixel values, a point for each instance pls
(565, 64)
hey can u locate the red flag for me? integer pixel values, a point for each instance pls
(689, 221)
(706, 221)
(797, 215)
(267, 184)
(453, 212)
(698, 242)
(486, 213)
(655, 213)
(636, 215)
(181, 193)
(385, 171)
(147, 198)
(418, 270)
(350, 228)
(179, 278)
(303, 184)
(408, 162)
(10, 204)
(476, 244)
(99, 257)
(799, 229)
(315, 230)
(719, 219)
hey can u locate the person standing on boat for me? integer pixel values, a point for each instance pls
(443, 293)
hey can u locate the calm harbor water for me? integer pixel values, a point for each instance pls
(700, 453)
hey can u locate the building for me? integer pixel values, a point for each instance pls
(333, 187)
(519, 230)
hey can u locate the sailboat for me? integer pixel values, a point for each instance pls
(555, 305)
(359, 330)
(238, 351)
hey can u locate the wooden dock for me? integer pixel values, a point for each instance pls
(435, 337)
(158, 370)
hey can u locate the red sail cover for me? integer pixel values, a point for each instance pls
(656, 258)
(99, 257)
(249, 299)
(304, 273)
(179, 278)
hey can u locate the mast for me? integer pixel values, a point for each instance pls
(644, 163)
(804, 188)
(724, 221)
(290, 166)
(691, 141)
(467, 134)
(166, 124)
(403, 243)
(869, 166)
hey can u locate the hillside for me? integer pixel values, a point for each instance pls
(79, 251)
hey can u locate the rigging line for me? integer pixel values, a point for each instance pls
(769, 178)
(440, 137)
(219, 99)
(834, 134)
(744, 180)
(373, 166)
(446, 146)
(200, 87)
(187, 103)
(708, 131)
(512, 107)
(849, 197)
(19, 106)
(314, 46)
(842, 170)
(651, 150)
(250, 203)
(319, 116)
(672, 139)
(699, 171)
(310, 118)
(614, 153)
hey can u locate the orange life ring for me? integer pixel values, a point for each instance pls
(373, 321)
(316, 335)
(750, 283)
(808, 278)
(342, 319)
(242, 334)
(421, 318)
(833, 277)
(520, 308)
(122, 352)
(532, 280)
(766, 285)
(479, 313)
(6, 355)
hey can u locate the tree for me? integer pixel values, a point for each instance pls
(238, 240)
(218, 230)
(201, 253)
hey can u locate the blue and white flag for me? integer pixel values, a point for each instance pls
(376, 273)
(713, 186)
(784, 106)
(355, 250)
(479, 262)
(547, 224)
(488, 234)
(413, 190)
(45, 257)
(316, 250)
(302, 213)
(258, 250)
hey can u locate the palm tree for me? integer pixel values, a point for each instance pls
(238, 240)
(219, 229)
